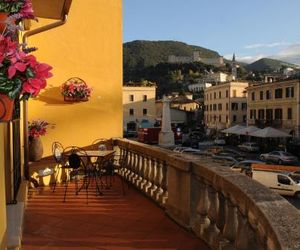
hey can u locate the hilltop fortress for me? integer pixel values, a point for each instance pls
(215, 61)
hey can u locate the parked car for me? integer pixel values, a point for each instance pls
(249, 146)
(220, 142)
(280, 157)
(230, 153)
(244, 166)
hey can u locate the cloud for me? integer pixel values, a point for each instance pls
(266, 45)
(289, 54)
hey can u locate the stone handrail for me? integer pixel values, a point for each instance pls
(227, 210)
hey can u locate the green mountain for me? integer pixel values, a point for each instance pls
(150, 53)
(267, 64)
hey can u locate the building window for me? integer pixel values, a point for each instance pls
(215, 118)
(269, 114)
(226, 118)
(268, 94)
(210, 96)
(234, 118)
(131, 111)
(220, 106)
(289, 114)
(144, 111)
(261, 95)
(226, 93)
(210, 107)
(244, 118)
(278, 114)
(234, 93)
(253, 96)
(251, 113)
(261, 114)
(215, 95)
(226, 106)
(144, 98)
(215, 107)
(220, 118)
(244, 106)
(131, 98)
(289, 92)
(234, 106)
(278, 93)
(220, 94)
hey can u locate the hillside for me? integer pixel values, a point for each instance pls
(267, 64)
(150, 53)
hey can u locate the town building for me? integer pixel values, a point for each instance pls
(215, 61)
(275, 104)
(138, 106)
(225, 104)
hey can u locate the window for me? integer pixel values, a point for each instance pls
(144, 98)
(210, 96)
(210, 107)
(234, 118)
(278, 93)
(278, 114)
(268, 94)
(144, 111)
(220, 94)
(253, 96)
(289, 92)
(226, 106)
(261, 114)
(220, 106)
(226, 93)
(244, 118)
(283, 180)
(269, 114)
(131, 111)
(220, 118)
(215, 107)
(244, 106)
(261, 95)
(234, 106)
(215, 95)
(289, 114)
(234, 93)
(252, 114)
(226, 118)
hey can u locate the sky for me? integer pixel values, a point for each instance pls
(251, 29)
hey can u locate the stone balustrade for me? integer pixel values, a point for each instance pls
(225, 209)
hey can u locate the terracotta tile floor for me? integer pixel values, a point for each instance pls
(111, 221)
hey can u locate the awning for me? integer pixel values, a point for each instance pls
(269, 132)
(248, 130)
(233, 130)
(53, 9)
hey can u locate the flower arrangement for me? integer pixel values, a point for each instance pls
(75, 89)
(37, 128)
(20, 73)
(22, 7)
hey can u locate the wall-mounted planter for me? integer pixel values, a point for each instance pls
(75, 90)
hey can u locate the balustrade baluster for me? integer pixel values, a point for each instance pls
(230, 226)
(158, 180)
(211, 232)
(139, 171)
(134, 174)
(144, 172)
(220, 218)
(151, 177)
(147, 174)
(164, 185)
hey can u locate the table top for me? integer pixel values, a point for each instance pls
(96, 153)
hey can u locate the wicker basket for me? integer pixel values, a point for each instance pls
(75, 81)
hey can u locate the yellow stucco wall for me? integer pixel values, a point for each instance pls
(88, 46)
(2, 191)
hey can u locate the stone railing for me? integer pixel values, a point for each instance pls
(225, 209)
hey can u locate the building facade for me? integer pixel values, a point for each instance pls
(138, 107)
(225, 105)
(275, 104)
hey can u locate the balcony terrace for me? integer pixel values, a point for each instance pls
(226, 210)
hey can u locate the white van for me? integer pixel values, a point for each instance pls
(285, 183)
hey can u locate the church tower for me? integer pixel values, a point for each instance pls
(233, 68)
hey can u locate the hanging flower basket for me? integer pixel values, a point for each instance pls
(75, 90)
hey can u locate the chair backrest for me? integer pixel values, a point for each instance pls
(57, 152)
(99, 143)
(77, 157)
